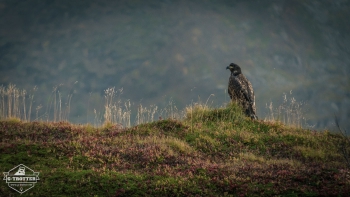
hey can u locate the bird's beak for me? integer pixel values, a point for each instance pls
(227, 67)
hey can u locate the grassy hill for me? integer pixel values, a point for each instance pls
(212, 152)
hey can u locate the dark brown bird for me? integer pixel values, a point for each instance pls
(241, 91)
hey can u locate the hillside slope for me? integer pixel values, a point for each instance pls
(213, 152)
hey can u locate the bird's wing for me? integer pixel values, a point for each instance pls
(251, 96)
(242, 85)
(250, 92)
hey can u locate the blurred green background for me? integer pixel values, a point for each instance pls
(177, 51)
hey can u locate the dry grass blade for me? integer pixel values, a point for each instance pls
(344, 146)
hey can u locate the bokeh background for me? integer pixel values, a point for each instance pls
(162, 51)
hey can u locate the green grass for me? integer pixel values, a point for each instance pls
(211, 152)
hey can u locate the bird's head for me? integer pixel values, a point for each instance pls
(234, 68)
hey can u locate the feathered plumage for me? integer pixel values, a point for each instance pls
(241, 91)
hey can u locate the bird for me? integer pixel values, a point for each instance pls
(241, 91)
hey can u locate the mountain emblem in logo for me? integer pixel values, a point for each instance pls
(21, 178)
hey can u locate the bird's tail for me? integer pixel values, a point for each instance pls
(251, 113)
(254, 117)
